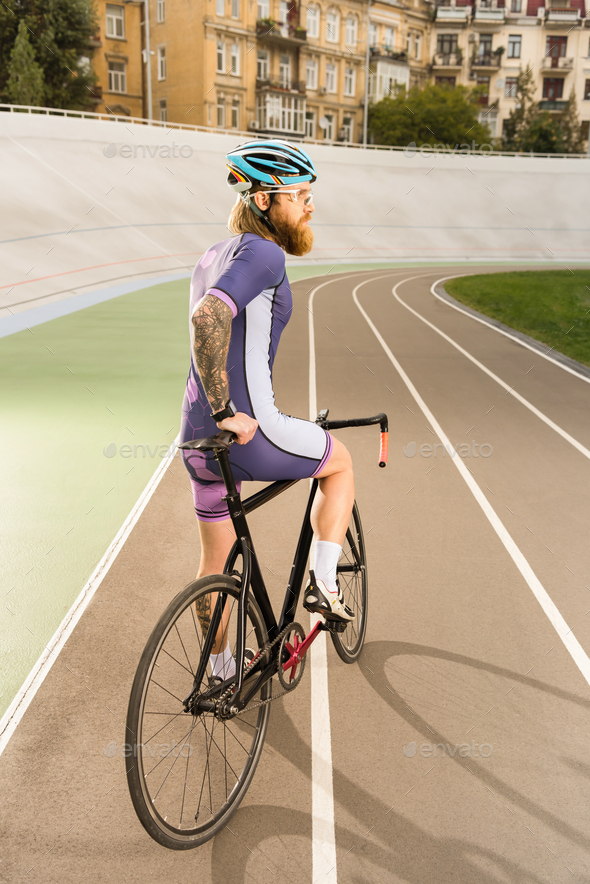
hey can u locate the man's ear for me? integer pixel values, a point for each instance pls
(262, 200)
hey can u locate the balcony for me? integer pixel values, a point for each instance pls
(561, 63)
(385, 51)
(491, 61)
(489, 16)
(557, 16)
(283, 86)
(453, 14)
(551, 104)
(447, 60)
(269, 29)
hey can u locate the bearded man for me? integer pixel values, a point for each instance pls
(240, 303)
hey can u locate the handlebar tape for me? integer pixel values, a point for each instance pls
(384, 449)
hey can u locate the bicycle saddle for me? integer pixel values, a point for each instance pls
(211, 443)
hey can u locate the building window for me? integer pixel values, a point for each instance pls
(235, 8)
(511, 87)
(329, 129)
(262, 65)
(351, 30)
(330, 78)
(346, 131)
(587, 90)
(311, 74)
(514, 45)
(220, 7)
(553, 88)
(220, 57)
(373, 35)
(235, 114)
(221, 113)
(283, 113)
(446, 81)
(484, 50)
(115, 21)
(555, 48)
(163, 110)
(332, 26)
(417, 46)
(389, 37)
(484, 84)
(309, 124)
(285, 71)
(313, 21)
(263, 9)
(160, 10)
(117, 76)
(235, 59)
(446, 44)
(161, 62)
(408, 44)
(515, 5)
(349, 81)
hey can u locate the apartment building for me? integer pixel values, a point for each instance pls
(399, 46)
(489, 43)
(271, 66)
(117, 58)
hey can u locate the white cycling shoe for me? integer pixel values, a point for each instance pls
(320, 600)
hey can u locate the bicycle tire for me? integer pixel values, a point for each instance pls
(352, 576)
(171, 816)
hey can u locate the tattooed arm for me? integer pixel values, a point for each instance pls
(212, 332)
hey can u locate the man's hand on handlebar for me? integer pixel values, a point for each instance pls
(242, 425)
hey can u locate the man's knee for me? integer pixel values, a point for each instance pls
(340, 460)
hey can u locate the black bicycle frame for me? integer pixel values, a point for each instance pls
(251, 577)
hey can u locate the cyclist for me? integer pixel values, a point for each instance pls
(240, 303)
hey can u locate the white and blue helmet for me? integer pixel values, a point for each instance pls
(274, 163)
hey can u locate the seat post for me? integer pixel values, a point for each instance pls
(234, 501)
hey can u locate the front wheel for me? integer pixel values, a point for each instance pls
(188, 772)
(352, 577)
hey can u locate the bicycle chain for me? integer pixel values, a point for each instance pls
(229, 690)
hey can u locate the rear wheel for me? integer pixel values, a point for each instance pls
(352, 577)
(188, 772)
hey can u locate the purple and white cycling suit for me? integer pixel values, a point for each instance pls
(248, 274)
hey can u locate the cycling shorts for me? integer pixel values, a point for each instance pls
(306, 453)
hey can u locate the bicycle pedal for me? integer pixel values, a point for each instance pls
(335, 626)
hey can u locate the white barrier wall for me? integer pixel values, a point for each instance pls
(86, 202)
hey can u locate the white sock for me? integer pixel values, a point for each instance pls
(326, 557)
(223, 665)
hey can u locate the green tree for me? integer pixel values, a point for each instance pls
(570, 127)
(522, 115)
(25, 78)
(530, 129)
(432, 115)
(59, 33)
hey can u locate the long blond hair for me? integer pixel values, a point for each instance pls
(243, 220)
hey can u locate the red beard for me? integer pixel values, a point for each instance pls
(295, 239)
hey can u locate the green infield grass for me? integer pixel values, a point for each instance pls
(552, 306)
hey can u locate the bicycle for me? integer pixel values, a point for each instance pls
(186, 788)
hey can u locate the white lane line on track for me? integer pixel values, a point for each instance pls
(491, 374)
(21, 702)
(572, 645)
(322, 787)
(500, 330)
